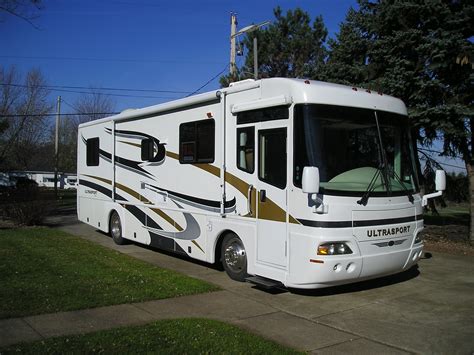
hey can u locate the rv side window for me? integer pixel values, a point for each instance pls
(92, 158)
(148, 152)
(246, 149)
(196, 142)
(272, 156)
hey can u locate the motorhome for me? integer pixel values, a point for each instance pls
(286, 182)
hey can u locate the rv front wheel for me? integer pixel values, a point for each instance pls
(116, 229)
(234, 257)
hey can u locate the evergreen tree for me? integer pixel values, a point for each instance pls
(289, 47)
(414, 50)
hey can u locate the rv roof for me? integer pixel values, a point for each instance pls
(300, 91)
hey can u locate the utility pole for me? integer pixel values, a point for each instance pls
(56, 147)
(233, 29)
(233, 35)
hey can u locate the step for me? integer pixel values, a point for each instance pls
(265, 283)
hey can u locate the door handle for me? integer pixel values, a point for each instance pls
(249, 200)
(263, 195)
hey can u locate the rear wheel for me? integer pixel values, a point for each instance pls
(234, 257)
(116, 229)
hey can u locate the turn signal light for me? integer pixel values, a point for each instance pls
(334, 249)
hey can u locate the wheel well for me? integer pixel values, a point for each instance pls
(217, 250)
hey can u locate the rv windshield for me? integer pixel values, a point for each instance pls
(344, 143)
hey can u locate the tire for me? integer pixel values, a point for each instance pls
(116, 229)
(234, 257)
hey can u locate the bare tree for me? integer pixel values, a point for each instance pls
(23, 9)
(24, 109)
(88, 108)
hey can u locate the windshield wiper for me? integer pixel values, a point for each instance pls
(383, 158)
(371, 187)
(400, 181)
(381, 170)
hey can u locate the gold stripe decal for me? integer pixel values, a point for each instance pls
(209, 168)
(196, 244)
(172, 155)
(130, 143)
(268, 210)
(214, 170)
(132, 193)
(107, 181)
(167, 218)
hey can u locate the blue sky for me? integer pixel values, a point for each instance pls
(144, 44)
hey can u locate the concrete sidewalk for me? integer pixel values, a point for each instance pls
(425, 311)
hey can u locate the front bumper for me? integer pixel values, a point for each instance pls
(326, 271)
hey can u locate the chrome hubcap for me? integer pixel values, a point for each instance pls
(116, 228)
(235, 257)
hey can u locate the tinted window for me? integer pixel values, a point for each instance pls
(92, 158)
(246, 149)
(272, 157)
(148, 152)
(344, 143)
(261, 115)
(196, 142)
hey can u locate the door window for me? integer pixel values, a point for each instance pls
(246, 149)
(272, 157)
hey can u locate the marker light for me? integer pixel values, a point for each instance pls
(334, 249)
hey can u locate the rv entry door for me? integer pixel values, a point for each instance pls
(271, 166)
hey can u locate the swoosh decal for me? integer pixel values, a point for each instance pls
(156, 239)
(192, 231)
(268, 210)
(137, 135)
(209, 205)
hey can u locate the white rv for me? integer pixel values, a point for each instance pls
(284, 181)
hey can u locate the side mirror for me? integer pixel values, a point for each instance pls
(440, 186)
(440, 180)
(310, 181)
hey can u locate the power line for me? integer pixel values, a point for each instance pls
(209, 81)
(91, 59)
(452, 166)
(438, 152)
(102, 88)
(445, 164)
(70, 105)
(109, 94)
(64, 114)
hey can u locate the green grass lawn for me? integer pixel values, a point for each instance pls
(455, 214)
(179, 336)
(44, 270)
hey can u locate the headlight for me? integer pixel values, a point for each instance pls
(335, 248)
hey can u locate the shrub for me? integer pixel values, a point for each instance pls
(26, 204)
